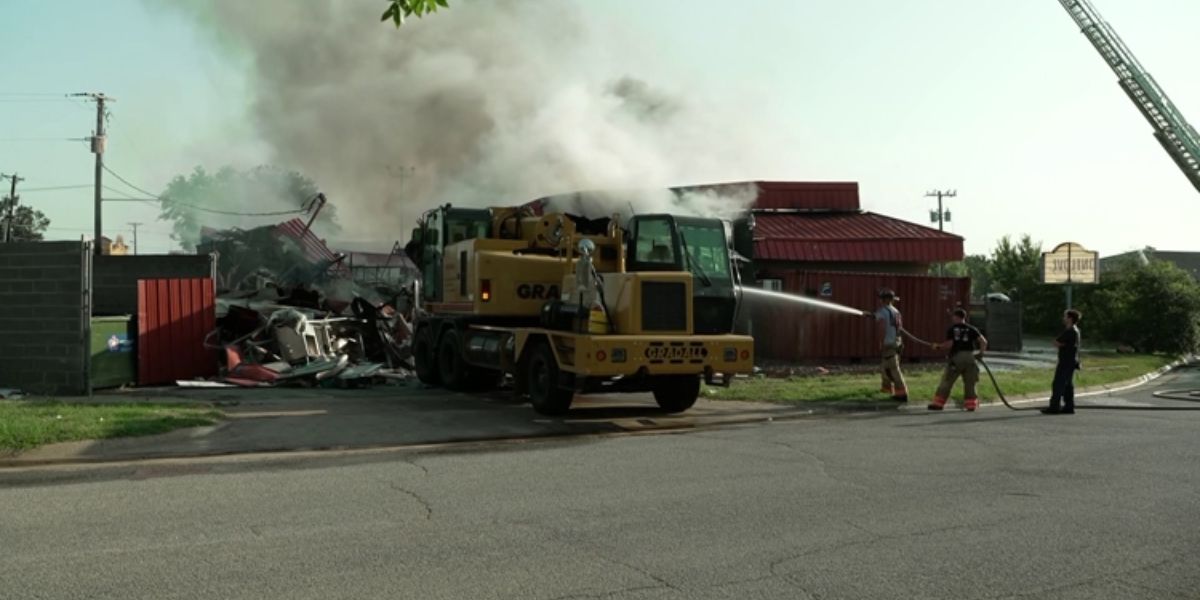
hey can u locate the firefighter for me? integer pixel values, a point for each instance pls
(891, 324)
(963, 341)
(1062, 401)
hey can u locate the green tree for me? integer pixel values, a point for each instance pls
(1014, 266)
(1151, 307)
(975, 266)
(1015, 269)
(979, 269)
(232, 198)
(399, 10)
(28, 225)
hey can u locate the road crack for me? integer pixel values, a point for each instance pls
(415, 496)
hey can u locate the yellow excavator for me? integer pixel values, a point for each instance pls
(569, 305)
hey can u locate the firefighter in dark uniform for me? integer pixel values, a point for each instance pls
(963, 341)
(1062, 399)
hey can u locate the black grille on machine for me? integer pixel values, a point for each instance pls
(713, 315)
(664, 306)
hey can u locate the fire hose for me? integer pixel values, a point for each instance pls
(1173, 395)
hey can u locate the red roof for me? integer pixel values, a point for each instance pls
(850, 237)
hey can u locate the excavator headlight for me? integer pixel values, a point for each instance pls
(731, 355)
(485, 290)
(618, 355)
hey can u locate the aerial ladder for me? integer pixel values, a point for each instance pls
(1171, 129)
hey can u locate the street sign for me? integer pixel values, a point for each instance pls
(1070, 264)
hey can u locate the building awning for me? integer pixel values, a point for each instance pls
(850, 237)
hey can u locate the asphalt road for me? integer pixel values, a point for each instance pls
(988, 505)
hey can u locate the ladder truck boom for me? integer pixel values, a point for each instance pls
(1171, 129)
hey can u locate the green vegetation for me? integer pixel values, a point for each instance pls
(29, 225)
(1149, 305)
(1153, 307)
(201, 198)
(1098, 370)
(27, 424)
(399, 10)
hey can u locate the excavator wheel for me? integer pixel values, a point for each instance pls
(453, 369)
(424, 358)
(677, 393)
(541, 379)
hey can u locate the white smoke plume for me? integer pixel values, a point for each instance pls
(493, 102)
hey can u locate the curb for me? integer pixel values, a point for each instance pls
(13, 463)
(1095, 390)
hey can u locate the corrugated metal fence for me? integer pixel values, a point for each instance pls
(797, 334)
(174, 315)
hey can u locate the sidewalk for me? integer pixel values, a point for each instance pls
(282, 420)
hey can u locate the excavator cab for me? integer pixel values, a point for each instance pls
(694, 244)
(439, 228)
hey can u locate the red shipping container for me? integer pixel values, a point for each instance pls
(797, 334)
(174, 316)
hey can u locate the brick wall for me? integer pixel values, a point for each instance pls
(116, 277)
(43, 319)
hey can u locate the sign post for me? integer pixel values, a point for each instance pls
(1070, 264)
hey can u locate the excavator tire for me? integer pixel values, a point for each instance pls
(424, 358)
(677, 393)
(453, 369)
(541, 379)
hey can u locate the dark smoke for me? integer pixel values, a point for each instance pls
(494, 102)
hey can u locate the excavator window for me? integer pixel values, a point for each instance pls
(654, 245)
(706, 247)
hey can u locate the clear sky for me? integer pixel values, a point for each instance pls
(1002, 100)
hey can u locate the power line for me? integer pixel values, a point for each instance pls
(202, 208)
(127, 198)
(34, 100)
(42, 139)
(58, 187)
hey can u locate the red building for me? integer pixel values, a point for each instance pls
(814, 239)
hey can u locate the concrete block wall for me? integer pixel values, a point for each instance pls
(116, 278)
(44, 321)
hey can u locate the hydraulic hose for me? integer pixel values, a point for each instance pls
(1174, 395)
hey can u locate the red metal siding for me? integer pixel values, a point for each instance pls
(850, 237)
(801, 195)
(788, 334)
(174, 316)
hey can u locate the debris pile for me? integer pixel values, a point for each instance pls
(289, 313)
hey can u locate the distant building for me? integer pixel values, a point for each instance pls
(1188, 261)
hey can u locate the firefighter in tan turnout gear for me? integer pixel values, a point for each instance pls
(964, 341)
(891, 343)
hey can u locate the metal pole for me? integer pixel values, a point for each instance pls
(11, 220)
(98, 149)
(135, 237)
(940, 194)
(98, 143)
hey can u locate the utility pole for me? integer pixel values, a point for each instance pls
(942, 214)
(135, 226)
(10, 222)
(98, 143)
